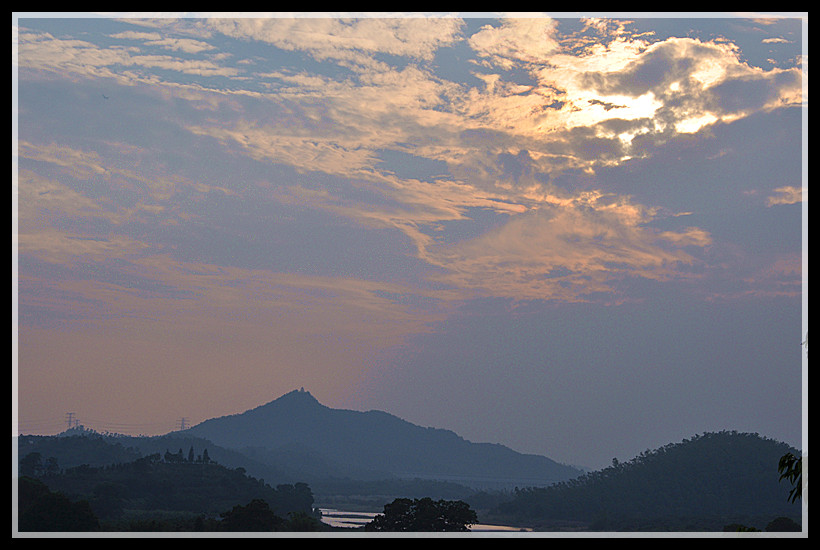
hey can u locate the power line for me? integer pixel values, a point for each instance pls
(53, 425)
(70, 420)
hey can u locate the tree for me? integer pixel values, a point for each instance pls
(739, 528)
(297, 497)
(31, 465)
(191, 454)
(51, 466)
(256, 516)
(108, 499)
(302, 522)
(783, 524)
(404, 514)
(42, 510)
(790, 467)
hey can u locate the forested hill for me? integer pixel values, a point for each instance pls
(170, 483)
(702, 483)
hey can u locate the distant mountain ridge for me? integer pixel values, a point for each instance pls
(373, 444)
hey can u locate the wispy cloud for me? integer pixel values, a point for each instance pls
(43, 52)
(786, 195)
(186, 45)
(576, 250)
(346, 40)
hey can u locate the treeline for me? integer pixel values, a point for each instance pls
(701, 484)
(34, 465)
(171, 486)
(179, 458)
(81, 448)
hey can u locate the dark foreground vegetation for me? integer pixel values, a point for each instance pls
(190, 493)
(724, 481)
(41, 510)
(415, 515)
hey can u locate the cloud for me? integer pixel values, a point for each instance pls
(74, 202)
(677, 84)
(755, 92)
(73, 161)
(167, 290)
(502, 142)
(586, 105)
(786, 195)
(668, 84)
(304, 152)
(346, 39)
(569, 250)
(186, 45)
(137, 35)
(738, 276)
(44, 52)
(515, 41)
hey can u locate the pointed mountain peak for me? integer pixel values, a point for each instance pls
(372, 443)
(296, 398)
(301, 393)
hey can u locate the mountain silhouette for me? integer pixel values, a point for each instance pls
(373, 444)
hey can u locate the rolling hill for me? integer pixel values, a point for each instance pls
(703, 483)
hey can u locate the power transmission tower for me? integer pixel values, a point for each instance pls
(182, 424)
(70, 420)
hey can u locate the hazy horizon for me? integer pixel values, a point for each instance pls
(577, 237)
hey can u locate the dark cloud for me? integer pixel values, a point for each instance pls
(654, 71)
(750, 94)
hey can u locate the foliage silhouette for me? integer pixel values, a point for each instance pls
(424, 515)
(42, 510)
(791, 468)
(255, 516)
(783, 524)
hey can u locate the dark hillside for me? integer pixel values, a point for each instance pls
(702, 483)
(94, 449)
(154, 483)
(80, 447)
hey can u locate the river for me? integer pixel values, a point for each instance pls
(341, 518)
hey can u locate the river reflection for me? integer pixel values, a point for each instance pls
(341, 518)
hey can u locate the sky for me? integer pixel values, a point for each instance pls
(578, 236)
